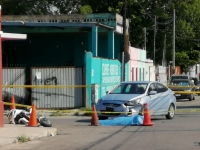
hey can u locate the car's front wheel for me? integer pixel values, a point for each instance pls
(171, 112)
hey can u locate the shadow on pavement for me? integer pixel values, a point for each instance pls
(188, 107)
(182, 100)
(84, 120)
(154, 119)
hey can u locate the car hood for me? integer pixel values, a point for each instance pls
(180, 88)
(121, 97)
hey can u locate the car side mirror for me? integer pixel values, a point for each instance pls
(152, 92)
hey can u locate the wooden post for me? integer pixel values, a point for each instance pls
(1, 102)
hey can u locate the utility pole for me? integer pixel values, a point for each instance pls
(125, 39)
(145, 39)
(173, 57)
(154, 43)
(164, 52)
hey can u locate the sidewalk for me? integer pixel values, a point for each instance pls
(10, 133)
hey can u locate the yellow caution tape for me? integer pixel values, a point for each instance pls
(76, 86)
(178, 86)
(14, 104)
(53, 86)
(186, 92)
(44, 86)
(89, 111)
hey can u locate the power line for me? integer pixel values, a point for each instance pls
(161, 23)
(114, 8)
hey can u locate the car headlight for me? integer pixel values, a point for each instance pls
(99, 101)
(187, 90)
(132, 103)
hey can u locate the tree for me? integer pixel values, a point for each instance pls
(141, 13)
(25, 7)
(66, 6)
(86, 9)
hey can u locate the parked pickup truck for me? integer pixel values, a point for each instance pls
(185, 85)
(173, 77)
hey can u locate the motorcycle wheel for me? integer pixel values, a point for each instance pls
(45, 122)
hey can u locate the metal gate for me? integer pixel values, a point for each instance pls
(14, 76)
(64, 97)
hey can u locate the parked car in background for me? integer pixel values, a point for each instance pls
(196, 80)
(197, 89)
(128, 98)
(179, 77)
(185, 85)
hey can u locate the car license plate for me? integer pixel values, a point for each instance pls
(109, 109)
(177, 94)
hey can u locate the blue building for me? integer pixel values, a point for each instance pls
(93, 42)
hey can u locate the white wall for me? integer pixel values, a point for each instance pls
(149, 70)
(192, 72)
(162, 74)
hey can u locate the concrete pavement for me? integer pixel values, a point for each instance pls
(10, 133)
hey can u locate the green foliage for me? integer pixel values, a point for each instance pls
(87, 111)
(141, 13)
(186, 59)
(25, 7)
(23, 138)
(86, 9)
(57, 113)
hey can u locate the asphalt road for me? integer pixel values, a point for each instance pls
(76, 133)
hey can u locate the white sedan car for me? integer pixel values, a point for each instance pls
(128, 98)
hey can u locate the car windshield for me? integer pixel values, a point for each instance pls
(178, 77)
(130, 88)
(180, 83)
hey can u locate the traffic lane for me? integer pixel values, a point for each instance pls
(180, 133)
(182, 104)
(76, 133)
(186, 104)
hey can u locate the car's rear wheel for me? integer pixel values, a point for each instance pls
(171, 112)
(193, 97)
(190, 99)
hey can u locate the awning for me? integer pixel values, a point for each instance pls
(12, 36)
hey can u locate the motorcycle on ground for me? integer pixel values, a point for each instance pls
(20, 116)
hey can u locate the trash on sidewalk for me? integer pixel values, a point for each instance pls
(123, 121)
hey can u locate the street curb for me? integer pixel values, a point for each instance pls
(17, 131)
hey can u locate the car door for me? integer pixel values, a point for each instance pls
(151, 100)
(163, 99)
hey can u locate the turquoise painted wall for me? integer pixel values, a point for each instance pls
(47, 49)
(55, 49)
(104, 18)
(104, 72)
(127, 70)
(141, 64)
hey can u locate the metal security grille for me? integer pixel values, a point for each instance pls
(52, 97)
(14, 76)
